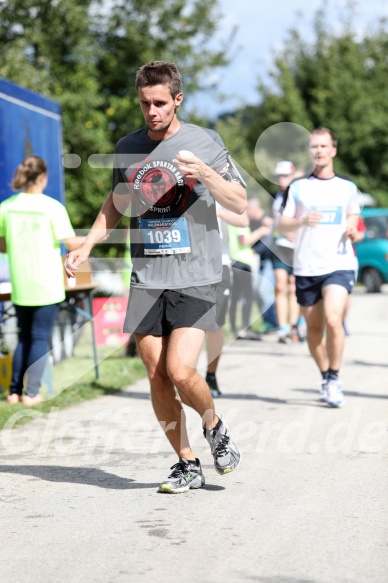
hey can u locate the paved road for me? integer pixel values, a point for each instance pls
(307, 505)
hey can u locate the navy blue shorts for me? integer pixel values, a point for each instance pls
(309, 288)
(279, 264)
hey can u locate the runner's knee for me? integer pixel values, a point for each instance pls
(182, 376)
(315, 330)
(334, 321)
(158, 377)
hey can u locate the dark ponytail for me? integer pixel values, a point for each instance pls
(28, 171)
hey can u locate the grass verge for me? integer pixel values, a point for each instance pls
(74, 379)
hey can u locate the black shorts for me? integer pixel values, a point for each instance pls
(223, 295)
(309, 288)
(160, 311)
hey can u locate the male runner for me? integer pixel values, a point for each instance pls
(171, 173)
(324, 210)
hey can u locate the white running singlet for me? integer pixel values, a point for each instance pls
(324, 248)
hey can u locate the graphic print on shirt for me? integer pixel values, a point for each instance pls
(161, 195)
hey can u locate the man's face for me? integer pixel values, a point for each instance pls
(158, 106)
(322, 150)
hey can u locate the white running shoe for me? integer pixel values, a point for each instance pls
(226, 454)
(335, 397)
(186, 474)
(323, 390)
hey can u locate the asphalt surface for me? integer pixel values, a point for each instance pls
(308, 503)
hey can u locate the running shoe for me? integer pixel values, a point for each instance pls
(213, 386)
(248, 335)
(267, 328)
(294, 336)
(225, 452)
(284, 339)
(185, 474)
(301, 329)
(335, 397)
(323, 390)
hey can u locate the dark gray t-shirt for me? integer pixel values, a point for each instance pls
(175, 241)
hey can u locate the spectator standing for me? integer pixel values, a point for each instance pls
(242, 289)
(32, 225)
(215, 340)
(287, 309)
(130, 348)
(264, 280)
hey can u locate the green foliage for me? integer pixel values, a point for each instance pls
(340, 81)
(85, 54)
(234, 131)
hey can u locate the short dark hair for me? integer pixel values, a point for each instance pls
(160, 73)
(322, 130)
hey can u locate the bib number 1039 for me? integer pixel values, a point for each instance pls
(159, 236)
(165, 236)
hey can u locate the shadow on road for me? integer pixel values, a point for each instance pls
(274, 400)
(88, 476)
(348, 394)
(365, 363)
(253, 397)
(133, 394)
(74, 475)
(280, 580)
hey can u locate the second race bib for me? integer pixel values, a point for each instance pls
(331, 215)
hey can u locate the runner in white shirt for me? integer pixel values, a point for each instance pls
(323, 208)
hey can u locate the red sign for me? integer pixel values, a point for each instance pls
(109, 316)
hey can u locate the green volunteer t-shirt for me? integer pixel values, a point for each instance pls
(33, 226)
(238, 251)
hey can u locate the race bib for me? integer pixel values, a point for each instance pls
(165, 236)
(331, 215)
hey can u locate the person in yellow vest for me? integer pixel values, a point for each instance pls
(243, 259)
(32, 225)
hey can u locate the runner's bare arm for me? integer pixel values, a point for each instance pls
(233, 218)
(112, 210)
(72, 243)
(229, 193)
(351, 228)
(255, 235)
(287, 224)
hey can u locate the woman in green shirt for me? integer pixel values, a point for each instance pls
(32, 225)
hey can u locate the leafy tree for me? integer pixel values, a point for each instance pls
(338, 81)
(234, 131)
(139, 31)
(85, 53)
